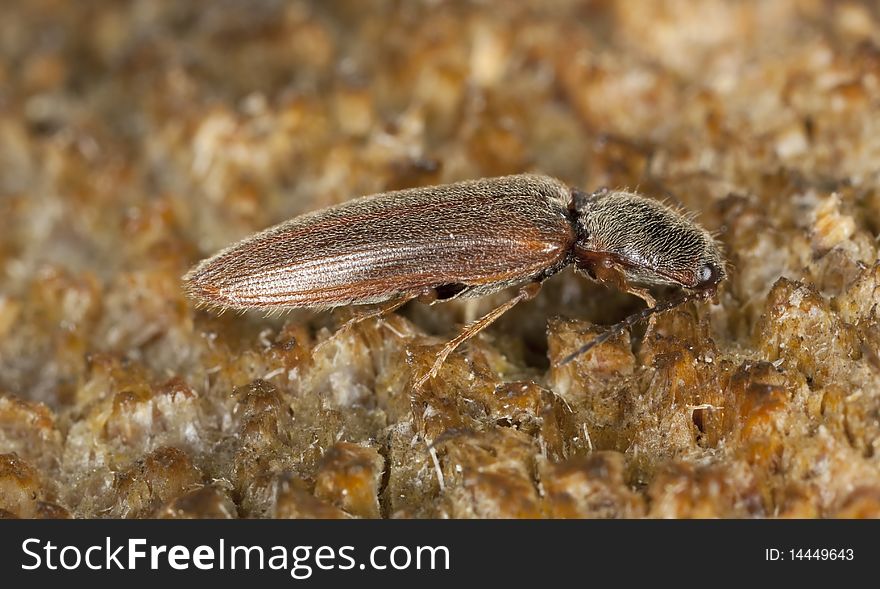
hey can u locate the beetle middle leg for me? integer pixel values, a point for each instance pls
(525, 293)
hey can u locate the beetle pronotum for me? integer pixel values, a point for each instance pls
(467, 239)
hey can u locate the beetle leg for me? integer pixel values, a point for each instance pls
(378, 311)
(642, 293)
(645, 295)
(526, 292)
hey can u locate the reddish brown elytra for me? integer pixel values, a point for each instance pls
(467, 239)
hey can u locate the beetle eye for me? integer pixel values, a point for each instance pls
(707, 272)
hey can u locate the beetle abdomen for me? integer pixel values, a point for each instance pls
(487, 234)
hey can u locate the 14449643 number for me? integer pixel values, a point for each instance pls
(821, 554)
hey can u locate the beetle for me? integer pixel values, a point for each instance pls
(466, 239)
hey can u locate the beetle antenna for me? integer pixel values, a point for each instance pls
(631, 320)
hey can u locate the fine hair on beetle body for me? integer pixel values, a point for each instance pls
(467, 239)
